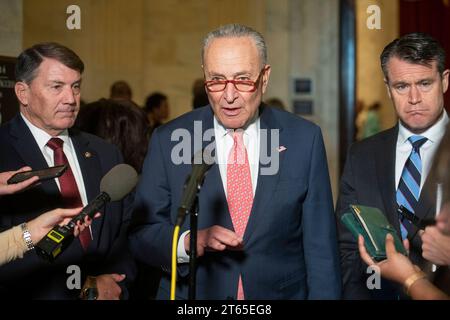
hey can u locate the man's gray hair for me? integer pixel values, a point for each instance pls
(237, 31)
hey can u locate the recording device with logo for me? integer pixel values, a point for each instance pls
(114, 186)
(43, 174)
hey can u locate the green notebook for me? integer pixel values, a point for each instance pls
(372, 224)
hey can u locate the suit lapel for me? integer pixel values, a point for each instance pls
(266, 183)
(385, 171)
(29, 151)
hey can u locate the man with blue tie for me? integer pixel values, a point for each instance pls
(266, 229)
(390, 169)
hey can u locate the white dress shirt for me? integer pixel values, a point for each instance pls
(42, 138)
(224, 144)
(427, 150)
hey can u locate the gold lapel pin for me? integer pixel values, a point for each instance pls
(87, 154)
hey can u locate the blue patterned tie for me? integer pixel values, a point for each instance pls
(408, 190)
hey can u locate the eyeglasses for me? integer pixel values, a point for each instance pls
(239, 85)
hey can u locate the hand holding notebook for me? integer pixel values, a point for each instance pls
(373, 226)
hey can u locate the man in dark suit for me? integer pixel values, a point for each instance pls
(390, 168)
(48, 89)
(266, 224)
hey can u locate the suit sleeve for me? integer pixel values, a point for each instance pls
(152, 228)
(319, 229)
(353, 268)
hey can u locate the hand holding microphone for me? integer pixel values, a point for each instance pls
(114, 186)
(41, 225)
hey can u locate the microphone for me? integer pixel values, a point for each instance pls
(202, 162)
(420, 224)
(114, 186)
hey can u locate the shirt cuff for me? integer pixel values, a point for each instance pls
(182, 256)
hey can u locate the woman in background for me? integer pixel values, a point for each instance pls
(122, 123)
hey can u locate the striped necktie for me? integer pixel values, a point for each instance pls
(408, 191)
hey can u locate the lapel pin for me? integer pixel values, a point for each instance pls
(281, 148)
(87, 154)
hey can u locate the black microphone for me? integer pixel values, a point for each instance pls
(420, 224)
(201, 163)
(114, 186)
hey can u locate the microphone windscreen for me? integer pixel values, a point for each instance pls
(119, 181)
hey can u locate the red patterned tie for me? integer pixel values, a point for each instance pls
(68, 185)
(239, 190)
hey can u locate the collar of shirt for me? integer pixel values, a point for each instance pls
(433, 134)
(43, 137)
(250, 133)
(427, 151)
(224, 143)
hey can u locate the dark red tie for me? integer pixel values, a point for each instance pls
(69, 190)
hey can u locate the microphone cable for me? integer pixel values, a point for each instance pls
(173, 282)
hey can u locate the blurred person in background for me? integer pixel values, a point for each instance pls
(121, 90)
(121, 123)
(276, 102)
(200, 98)
(157, 109)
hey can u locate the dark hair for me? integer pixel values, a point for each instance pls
(375, 106)
(276, 102)
(120, 90)
(121, 123)
(154, 101)
(200, 97)
(30, 59)
(417, 48)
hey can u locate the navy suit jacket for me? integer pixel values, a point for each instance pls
(369, 179)
(32, 277)
(290, 245)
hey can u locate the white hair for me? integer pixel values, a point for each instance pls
(236, 31)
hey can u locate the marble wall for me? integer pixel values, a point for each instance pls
(314, 41)
(370, 44)
(301, 45)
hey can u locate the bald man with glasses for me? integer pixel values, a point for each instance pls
(266, 228)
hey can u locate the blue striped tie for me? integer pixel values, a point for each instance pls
(408, 190)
